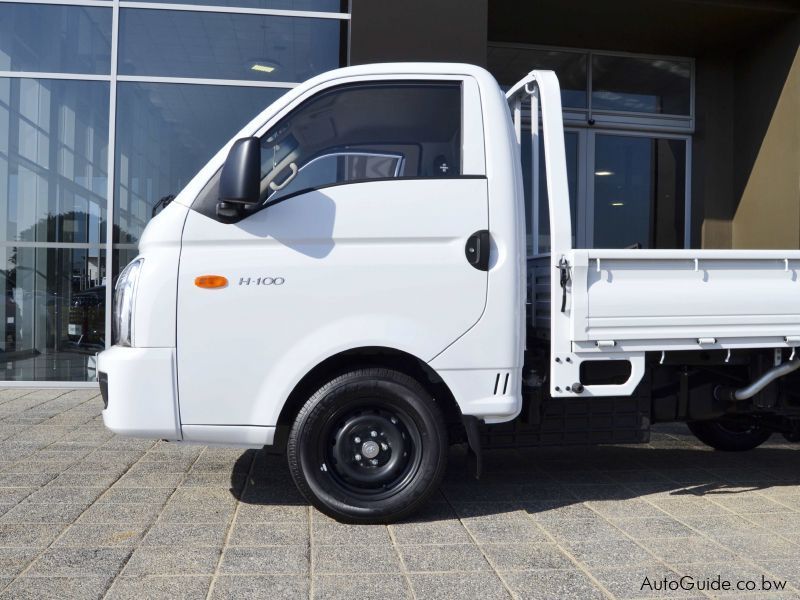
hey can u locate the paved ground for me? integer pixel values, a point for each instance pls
(86, 514)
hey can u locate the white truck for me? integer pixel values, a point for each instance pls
(347, 280)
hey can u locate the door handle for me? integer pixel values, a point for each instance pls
(477, 250)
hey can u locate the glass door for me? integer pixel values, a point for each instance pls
(637, 192)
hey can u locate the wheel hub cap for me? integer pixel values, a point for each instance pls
(370, 449)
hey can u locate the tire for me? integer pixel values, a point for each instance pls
(729, 435)
(370, 446)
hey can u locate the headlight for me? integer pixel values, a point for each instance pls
(124, 295)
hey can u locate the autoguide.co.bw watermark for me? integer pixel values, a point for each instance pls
(713, 584)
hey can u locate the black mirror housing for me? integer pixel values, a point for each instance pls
(241, 174)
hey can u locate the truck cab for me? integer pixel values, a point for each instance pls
(346, 280)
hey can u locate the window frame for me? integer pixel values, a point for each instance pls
(618, 119)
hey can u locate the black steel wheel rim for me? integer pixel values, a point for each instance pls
(370, 450)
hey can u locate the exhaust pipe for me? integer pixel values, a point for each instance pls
(759, 384)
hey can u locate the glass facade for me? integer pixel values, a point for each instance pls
(185, 80)
(628, 124)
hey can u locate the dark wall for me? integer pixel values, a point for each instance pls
(762, 66)
(424, 30)
(712, 151)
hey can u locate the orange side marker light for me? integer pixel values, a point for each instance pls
(211, 282)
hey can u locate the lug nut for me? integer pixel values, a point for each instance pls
(374, 461)
(373, 433)
(358, 457)
(393, 420)
(356, 440)
(384, 446)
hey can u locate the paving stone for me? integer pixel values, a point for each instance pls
(172, 561)
(27, 512)
(214, 480)
(75, 562)
(723, 525)
(690, 507)
(186, 534)
(88, 479)
(526, 557)
(34, 480)
(71, 495)
(274, 560)
(168, 480)
(692, 549)
(89, 535)
(554, 510)
(172, 587)
(761, 547)
(29, 535)
(14, 560)
(750, 504)
(266, 587)
(176, 512)
(123, 512)
(551, 584)
(653, 527)
(348, 587)
(136, 495)
(269, 534)
(625, 509)
(338, 533)
(582, 529)
(13, 495)
(272, 513)
(441, 558)
(441, 532)
(364, 557)
(56, 588)
(458, 585)
(507, 531)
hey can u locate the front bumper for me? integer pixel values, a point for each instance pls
(140, 392)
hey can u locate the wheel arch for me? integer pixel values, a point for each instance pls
(368, 356)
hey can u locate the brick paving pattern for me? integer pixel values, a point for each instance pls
(86, 514)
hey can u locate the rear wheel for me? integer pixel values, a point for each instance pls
(730, 435)
(368, 447)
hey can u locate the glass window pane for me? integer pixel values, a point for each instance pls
(642, 85)
(54, 313)
(639, 192)
(53, 160)
(55, 39)
(571, 144)
(372, 130)
(311, 5)
(509, 64)
(226, 46)
(165, 134)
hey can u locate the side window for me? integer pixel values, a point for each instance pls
(358, 132)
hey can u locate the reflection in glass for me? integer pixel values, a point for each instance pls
(571, 149)
(55, 39)
(639, 192)
(53, 160)
(226, 46)
(54, 312)
(165, 134)
(311, 5)
(509, 64)
(642, 85)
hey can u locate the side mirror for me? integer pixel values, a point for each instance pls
(240, 180)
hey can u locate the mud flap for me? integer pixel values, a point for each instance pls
(474, 442)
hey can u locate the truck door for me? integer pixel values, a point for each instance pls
(372, 193)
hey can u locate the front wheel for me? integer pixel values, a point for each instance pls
(370, 446)
(730, 435)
